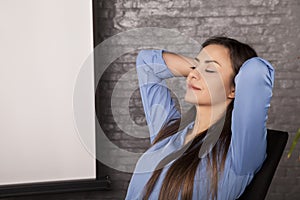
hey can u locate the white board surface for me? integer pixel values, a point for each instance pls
(43, 44)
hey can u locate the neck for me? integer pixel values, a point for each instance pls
(206, 116)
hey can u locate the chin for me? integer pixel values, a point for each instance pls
(194, 100)
(190, 99)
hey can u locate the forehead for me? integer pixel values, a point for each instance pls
(216, 52)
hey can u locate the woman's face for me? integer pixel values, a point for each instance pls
(211, 82)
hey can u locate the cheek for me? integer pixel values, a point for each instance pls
(214, 91)
(217, 89)
(228, 83)
(196, 96)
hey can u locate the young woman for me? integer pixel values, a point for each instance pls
(173, 167)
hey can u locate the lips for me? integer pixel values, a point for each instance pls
(193, 87)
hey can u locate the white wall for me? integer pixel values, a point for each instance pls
(43, 44)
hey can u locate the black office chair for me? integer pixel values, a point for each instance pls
(258, 188)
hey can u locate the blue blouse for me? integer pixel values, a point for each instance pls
(247, 150)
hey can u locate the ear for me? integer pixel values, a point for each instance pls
(231, 95)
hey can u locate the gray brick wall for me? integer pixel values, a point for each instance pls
(270, 26)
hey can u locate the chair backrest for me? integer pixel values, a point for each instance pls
(258, 188)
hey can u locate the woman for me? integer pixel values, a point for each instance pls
(173, 167)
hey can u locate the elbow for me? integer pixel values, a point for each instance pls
(142, 57)
(256, 70)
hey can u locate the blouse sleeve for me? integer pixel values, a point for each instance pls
(253, 93)
(158, 105)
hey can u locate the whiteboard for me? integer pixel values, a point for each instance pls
(44, 43)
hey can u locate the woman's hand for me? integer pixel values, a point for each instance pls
(178, 64)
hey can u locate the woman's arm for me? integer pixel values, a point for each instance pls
(178, 64)
(152, 69)
(253, 93)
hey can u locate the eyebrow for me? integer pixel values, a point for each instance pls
(209, 61)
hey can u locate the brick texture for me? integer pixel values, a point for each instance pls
(270, 26)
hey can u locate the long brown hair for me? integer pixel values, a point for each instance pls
(180, 175)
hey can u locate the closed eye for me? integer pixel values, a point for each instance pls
(209, 71)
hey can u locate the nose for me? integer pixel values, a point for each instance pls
(194, 74)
